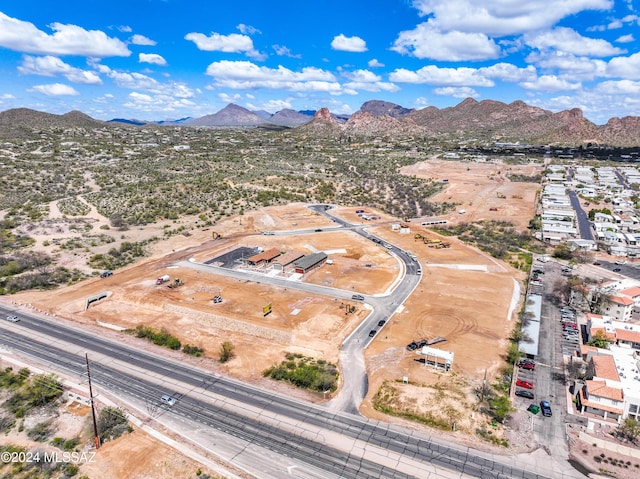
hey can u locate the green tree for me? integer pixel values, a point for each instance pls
(599, 340)
(500, 407)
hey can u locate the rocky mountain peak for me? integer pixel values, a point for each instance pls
(323, 114)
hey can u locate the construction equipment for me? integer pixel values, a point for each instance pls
(176, 283)
(215, 235)
(501, 195)
(493, 208)
(518, 197)
(162, 279)
(417, 236)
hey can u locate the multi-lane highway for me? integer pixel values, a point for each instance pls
(337, 443)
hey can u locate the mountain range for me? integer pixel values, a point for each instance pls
(485, 120)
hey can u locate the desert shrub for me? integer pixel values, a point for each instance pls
(112, 423)
(41, 431)
(306, 373)
(192, 350)
(227, 351)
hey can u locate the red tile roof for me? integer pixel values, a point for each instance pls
(600, 389)
(605, 367)
(626, 335)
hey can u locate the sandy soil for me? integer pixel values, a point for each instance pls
(476, 187)
(464, 295)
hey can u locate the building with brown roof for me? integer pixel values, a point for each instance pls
(265, 257)
(286, 259)
(602, 394)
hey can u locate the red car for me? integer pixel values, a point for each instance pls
(529, 366)
(524, 384)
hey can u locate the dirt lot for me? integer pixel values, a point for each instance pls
(464, 295)
(476, 187)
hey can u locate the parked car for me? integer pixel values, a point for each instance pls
(546, 408)
(621, 261)
(524, 384)
(533, 409)
(616, 270)
(529, 366)
(526, 360)
(106, 274)
(596, 263)
(523, 393)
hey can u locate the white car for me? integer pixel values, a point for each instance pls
(621, 262)
(168, 399)
(13, 318)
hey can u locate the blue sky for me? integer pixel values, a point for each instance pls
(162, 59)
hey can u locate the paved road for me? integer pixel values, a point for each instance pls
(338, 443)
(584, 225)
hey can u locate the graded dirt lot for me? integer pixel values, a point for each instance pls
(478, 187)
(464, 295)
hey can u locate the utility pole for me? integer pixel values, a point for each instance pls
(96, 437)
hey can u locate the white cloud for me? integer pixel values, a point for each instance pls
(569, 41)
(7, 96)
(362, 76)
(247, 29)
(284, 51)
(374, 63)
(139, 81)
(230, 98)
(464, 76)
(624, 67)
(243, 75)
(55, 89)
(157, 103)
(152, 58)
(142, 40)
(425, 41)
(625, 39)
(457, 92)
(458, 30)
(504, 17)
(621, 87)
(508, 72)
(232, 43)
(364, 80)
(348, 44)
(569, 66)
(271, 105)
(550, 83)
(125, 28)
(66, 40)
(50, 66)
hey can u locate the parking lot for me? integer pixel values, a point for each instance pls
(544, 378)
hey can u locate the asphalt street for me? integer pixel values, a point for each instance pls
(275, 435)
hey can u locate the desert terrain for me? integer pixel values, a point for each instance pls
(465, 295)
